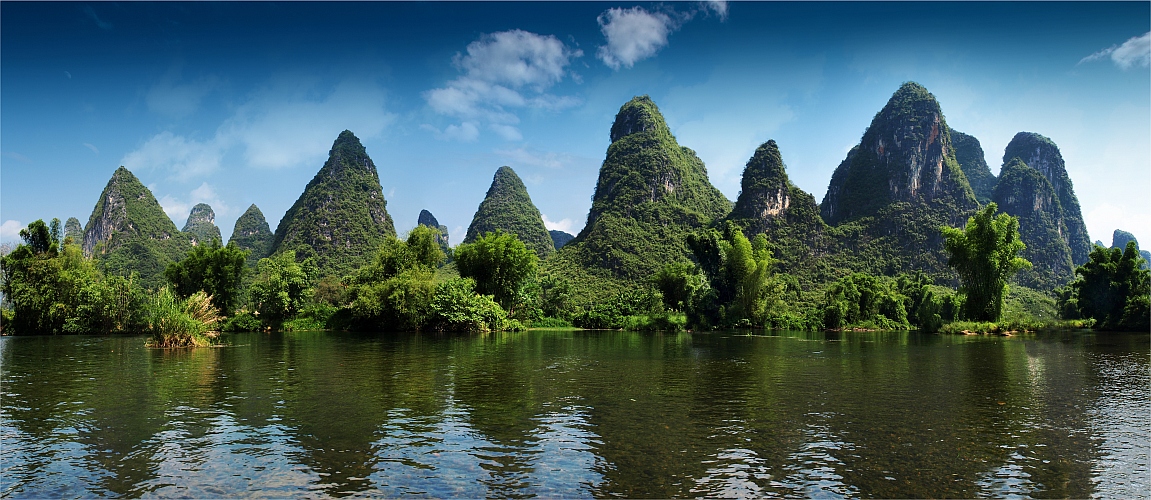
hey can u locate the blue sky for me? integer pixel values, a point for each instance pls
(238, 103)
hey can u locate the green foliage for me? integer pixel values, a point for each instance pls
(181, 323)
(243, 321)
(395, 291)
(508, 208)
(743, 290)
(280, 289)
(1113, 287)
(315, 316)
(865, 301)
(212, 269)
(1023, 192)
(341, 218)
(499, 263)
(985, 255)
(54, 290)
(252, 233)
(128, 232)
(73, 229)
(615, 312)
(458, 308)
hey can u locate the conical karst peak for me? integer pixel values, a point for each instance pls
(507, 207)
(1042, 154)
(427, 219)
(201, 225)
(73, 229)
(252, 233)
(637, 116)
(969, 154)
(765, 190)
(1024, 193)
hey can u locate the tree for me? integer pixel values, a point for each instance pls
(986, 255)
(280, 288)
(213, 269)
(499, 263)
(1113, 288)
(395, 291)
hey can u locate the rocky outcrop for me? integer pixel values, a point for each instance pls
(508, 208)
(73, 229)
(201, 225)
(1043, 155)
(341, 218)
(560, 238)
(252, 233)
(905, 155)
(1120, 238)
(1026, 194)
(427, 219)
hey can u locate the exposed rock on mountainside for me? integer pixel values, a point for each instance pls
(1119, 240)
(427, 219)
(507, 207)
(201, 225)
(129, 231)
(1025, 193)
(341, 218)
(1042, 154)
(253, 234)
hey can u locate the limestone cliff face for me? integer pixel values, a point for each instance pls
(201, 225)
(129, 231)
(905, 155)
(507, 207)
(341, 218)
(427, 219)
(1043, 155)
(1025, 193)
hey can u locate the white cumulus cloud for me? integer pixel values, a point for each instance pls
(502, 72)
(178, 209)
(10, 230)
(564, 225)
(632, 35)
(1134, 52)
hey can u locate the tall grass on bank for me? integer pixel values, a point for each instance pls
(182, 323)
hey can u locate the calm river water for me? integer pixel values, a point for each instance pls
(579, 414)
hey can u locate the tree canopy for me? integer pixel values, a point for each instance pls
(985, 254)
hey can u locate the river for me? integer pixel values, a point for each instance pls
(579, 414)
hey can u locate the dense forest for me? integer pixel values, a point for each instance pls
(915, 232)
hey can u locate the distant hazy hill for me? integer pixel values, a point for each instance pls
(560, 238)
(507, 207)
(341, 218)
(253, 234)
(129, 231)
(201, 225)
(427, 219)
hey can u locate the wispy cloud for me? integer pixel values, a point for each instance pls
(502, 72)
(99, 22)
(524, 156)
(718, 7)
(18, 157)
(279, 128)
(632, 35)
(1134, 52)
(93, 148)
(10, 230)
(178, 209)
(176, 99)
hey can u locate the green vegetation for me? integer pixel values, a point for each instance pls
(1025, 194)
(508, 208)
(251, 233)
(201, 225)
(212, 269)
(128, 232)
(1119, 240)
(1113, 287)
(499, 263)
(279, 290)
(427, 219)
(73, 229)
(985, 254)
(341, 218)
(174, 322)
(1043, 155)
(560, 238)
(969, 154)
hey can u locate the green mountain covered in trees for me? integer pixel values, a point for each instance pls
(508, 208)
(1042, 154)
(427, 219)
(560, 238)
(650, 195)
(73, 229)
(201, 225)
(252, 233)
(969, 154)
(129, 232)
(341, 218)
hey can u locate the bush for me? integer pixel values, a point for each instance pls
(243, 321)
(181, 323)
(458, 308)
